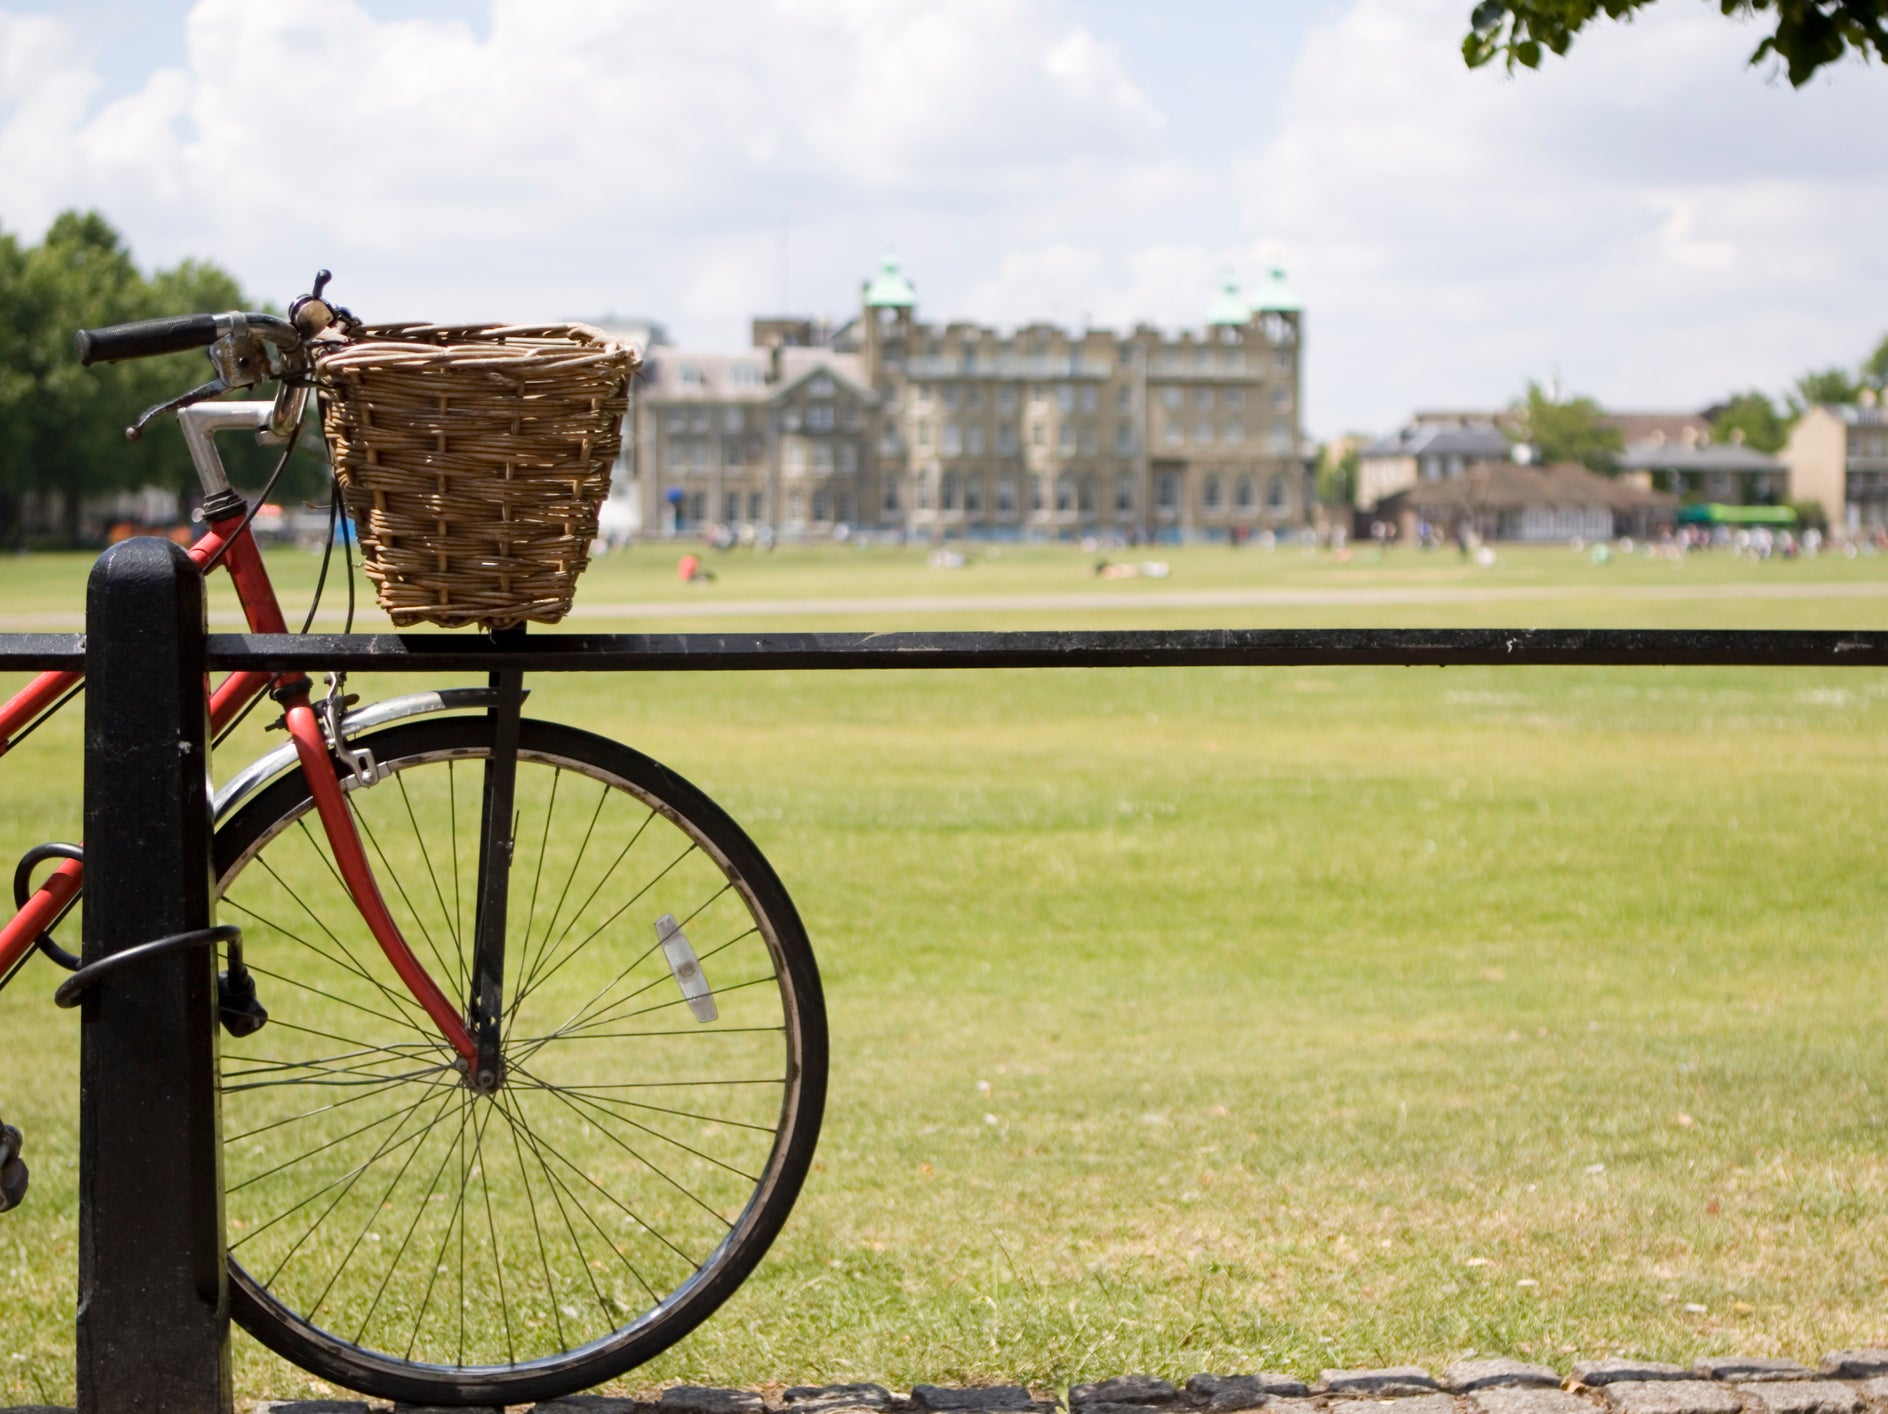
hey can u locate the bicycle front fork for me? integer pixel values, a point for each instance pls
(477, 1033)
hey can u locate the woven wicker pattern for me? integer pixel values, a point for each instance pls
(473, 460)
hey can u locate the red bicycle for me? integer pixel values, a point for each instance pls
(525, 1050)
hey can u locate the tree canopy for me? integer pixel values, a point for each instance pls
(1569, 430)
(62, 425)
(1753, 419)
(1804, 34)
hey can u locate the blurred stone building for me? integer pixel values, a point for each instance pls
(888, 425)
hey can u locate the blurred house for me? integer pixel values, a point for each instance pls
(1503, 500)
(1435, 447)
(1838, 457)
(1694, 468)
(888, 425)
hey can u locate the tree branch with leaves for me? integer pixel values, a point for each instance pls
(1805, 35)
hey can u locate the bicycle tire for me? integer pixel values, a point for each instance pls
(733, 1146)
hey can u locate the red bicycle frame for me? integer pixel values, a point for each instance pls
(229, 542)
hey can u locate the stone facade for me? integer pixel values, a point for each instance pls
(1838, 456)
(886, 425)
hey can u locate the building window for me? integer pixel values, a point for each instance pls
(755, 505)
(1247, 496)
(842, 505)
(1281, 400)
(924, 433)
(796, 507)
(819, 417)
(1203, 432)
(1065, 493)
(1276, 495)
(1205, 360)
(1234, 397)
(1091, 443)
(1006, 398)
(1123, 397)
(973, 439)
(698, 420)
(1036, 491)
(1235, 431)
(820, 387)
(1065, 439)
(947, 497)
(1174, 434)
(731, 507)
(1281, 360)
(924, 392)
(1085, 495)
(924, 491)
(822, 506)
(1039, 434)
(700, 457)
(848, 458)
(1235, 360)
(678, 456)
(1170, 398)
(1167, 491)
(731, 420)
(1006, 497)
(691, 375)
(675, 420)
(796, 456)
(1006, 439)
(1170, 360)
(973, 495)
(823, 458)
(973, 395)
(1091, 397)
(1124, 495)
(953, 443)
(698, 507)
(1203, 398)
(949, 395)
(1124, 438)
(889, 500)
(1065, 397)
(1213, 494)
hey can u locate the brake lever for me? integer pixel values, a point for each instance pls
(213, 388)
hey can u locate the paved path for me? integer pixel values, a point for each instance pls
(1134, 600)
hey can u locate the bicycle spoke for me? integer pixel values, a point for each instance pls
(544, 1261)
(419, 1211)
(528, 979)
(389, 872)
(419, 835)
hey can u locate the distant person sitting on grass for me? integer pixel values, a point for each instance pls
(689, 569)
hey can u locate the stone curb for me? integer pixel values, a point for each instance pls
(1845, 1382)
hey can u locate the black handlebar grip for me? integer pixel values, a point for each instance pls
(145, 338)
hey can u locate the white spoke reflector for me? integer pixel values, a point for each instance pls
(686, 967)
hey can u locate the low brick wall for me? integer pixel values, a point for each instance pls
(1846, 1382)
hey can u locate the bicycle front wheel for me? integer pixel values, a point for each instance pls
(398, 1233)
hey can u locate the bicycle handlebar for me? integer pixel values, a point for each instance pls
(145, 338)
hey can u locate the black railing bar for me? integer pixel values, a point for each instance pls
(1066, 648)
(42, 652)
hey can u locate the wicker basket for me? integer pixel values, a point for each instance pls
(473, 460)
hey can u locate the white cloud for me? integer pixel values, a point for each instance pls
(574, 156)
(1646, 215)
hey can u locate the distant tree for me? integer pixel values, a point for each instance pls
(61, 425)
(1574, 430)
(1806, 35)
(1756, 417)
(1337, 475)
(1875, 366)
(1826, 385)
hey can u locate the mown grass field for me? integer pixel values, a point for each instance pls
(1218, 1019)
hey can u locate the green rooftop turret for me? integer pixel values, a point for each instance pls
(1229, 306)
(1276, 297)
(889, 289)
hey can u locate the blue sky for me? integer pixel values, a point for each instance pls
(1649, 219)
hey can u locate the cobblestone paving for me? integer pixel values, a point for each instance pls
(1846, 1382)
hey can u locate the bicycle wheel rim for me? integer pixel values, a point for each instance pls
(541, 1359)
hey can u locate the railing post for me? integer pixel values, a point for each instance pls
(153, 1320)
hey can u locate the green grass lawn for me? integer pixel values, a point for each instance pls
(1218, 1019)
